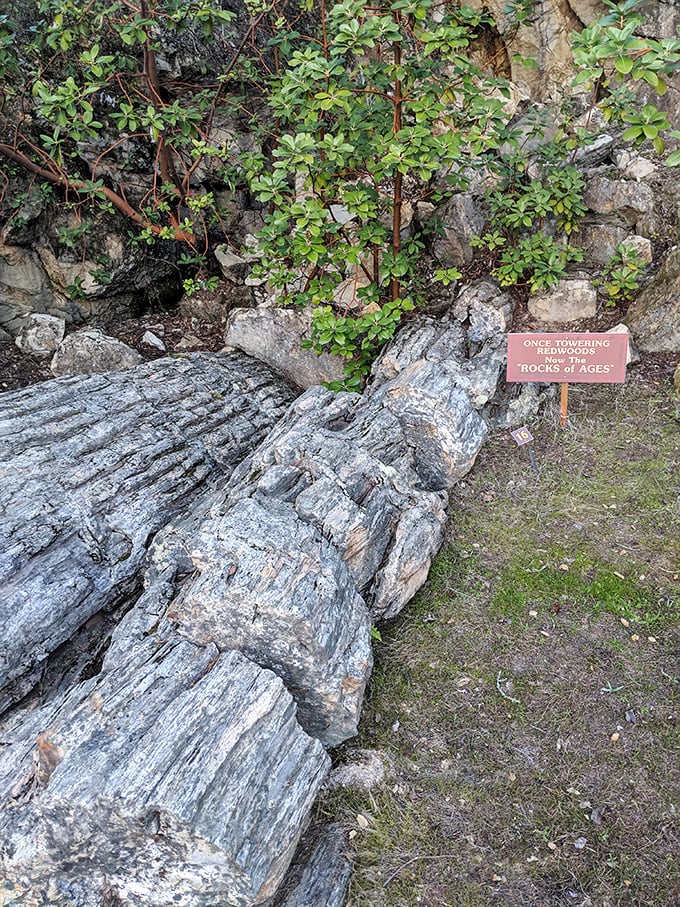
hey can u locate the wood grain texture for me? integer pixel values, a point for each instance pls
(90, 468)
(182, 777)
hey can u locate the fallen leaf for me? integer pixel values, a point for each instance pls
(626, 623)
(513, 777)
(564, 567)
(615, 736)
(362, 821)
(552, 845)
(634, 637)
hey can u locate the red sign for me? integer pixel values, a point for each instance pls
(573, 358)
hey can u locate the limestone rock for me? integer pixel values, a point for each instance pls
(90, 467)
(41, 334)
(599, 240)
(632, 355)
(273, 335)
(571, 300)
(641, 245)
(633, 166)
(92, 352)
(151, 339)
(234, 268)
(654, 316)
(24, 287)
(630, 200)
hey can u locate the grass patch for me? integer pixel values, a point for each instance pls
(526, 702)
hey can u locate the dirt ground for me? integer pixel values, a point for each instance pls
(525, 704)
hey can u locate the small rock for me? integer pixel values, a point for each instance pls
(632, 355)
(189, 342)
(632, 166)
(150, 339)
(571, 300)
(41, 335)
(234, 268)
(364, 772)
(92, 352)
(597, 151)
(641, 245)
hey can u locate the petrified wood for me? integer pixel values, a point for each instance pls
(181, 778)
(331, 523)
(92, 466)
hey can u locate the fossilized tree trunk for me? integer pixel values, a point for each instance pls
(185, 771)
(90, 468)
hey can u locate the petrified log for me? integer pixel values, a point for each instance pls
(321, 872)
(331, 522)
(90, 468)
(180, 778)
(180, 774)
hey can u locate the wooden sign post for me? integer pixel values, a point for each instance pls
(565, 358)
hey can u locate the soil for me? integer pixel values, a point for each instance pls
(525, 703)
(18, 369)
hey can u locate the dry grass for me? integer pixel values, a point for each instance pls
(526, 698)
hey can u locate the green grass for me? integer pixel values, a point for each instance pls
(532, 684)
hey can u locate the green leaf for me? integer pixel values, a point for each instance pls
(623, 65)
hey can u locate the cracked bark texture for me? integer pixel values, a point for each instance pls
(90, 468)
(186, 770)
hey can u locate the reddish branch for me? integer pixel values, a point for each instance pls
(80, 186)
(398, 179)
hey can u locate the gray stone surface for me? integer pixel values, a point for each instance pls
(599, 240)
(487, 308)
(273, 334)
(571, 300)
(92, 353)
(151, 339)
(632, 201)
(654, 316)
(461, 219)
(182, 778)
(41, 334)
(90, 468)
(322, 879)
